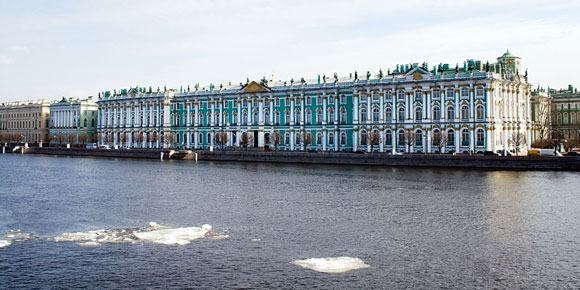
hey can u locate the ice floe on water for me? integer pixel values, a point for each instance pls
(4, 243)
(154, 233)
(16, 236)
(332, 265)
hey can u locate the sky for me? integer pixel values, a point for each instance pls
(67, 48)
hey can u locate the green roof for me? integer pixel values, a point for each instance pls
(508, 54)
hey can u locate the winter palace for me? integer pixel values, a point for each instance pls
(471, 107)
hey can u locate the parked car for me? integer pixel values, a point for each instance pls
(91, 146)
(104, 147)
(572, 153)
(491, 153)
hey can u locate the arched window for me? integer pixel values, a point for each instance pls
(287, 138)
(330, 138)
(287, 117)
(330, 116)
(226, 120)
(208, 119)
(401, 137)
(418, 114)
(266, 117)
(388, 114)
(450, 113)
(343, 138)
(418, 138)
(308, 117)
(234, 118)
(376, 115)
(436, 140)
(297, 117)
(363, 115)
(209, 140)
(464, 137)
(297, 139)
(93, 123)
(342, 116)
(401, 116)
(277, 117)
(464, 112)
(86, 122)
(256, 117)
(480, 137)
(217, 118)
(363, 137)
(479, 112)
(200, 138)
(245, 118)
(319, 116)
(451, 137)
(388, 137)
(436, 113)
(318, 138)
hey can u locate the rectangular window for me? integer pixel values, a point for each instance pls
(342, 99)
(450, 94)
(401, 95)
(308, 101)
(418, 96)
(277, 102)
(331, 99)
(479, 91)
(267, 102)
(375, 97)
(464, 92)
(436, 94)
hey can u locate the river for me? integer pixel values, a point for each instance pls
(417, 228)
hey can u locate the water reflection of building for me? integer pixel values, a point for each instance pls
(73, 120)
(473, 107)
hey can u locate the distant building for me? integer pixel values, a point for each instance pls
(541, 102)
(24, 121)
(73, 121)
(470, 108)
(565, 110)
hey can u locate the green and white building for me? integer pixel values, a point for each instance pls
(73, 120)
(472, 107)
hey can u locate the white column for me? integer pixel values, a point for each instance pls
(260, 113)
(355, 108)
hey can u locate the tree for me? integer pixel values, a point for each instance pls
(517, 140)
(96, 138)
(84, 137)
(307, 139)
(374, 139)
(440, 141)
(544, 123)
(154, 138)
(139, 138)
(410, 139)
(275, 138)
(247, 139)
(122, 138)
(557, 138)
(221, 138)
(60, 137)
(72, 138)
(168, 139)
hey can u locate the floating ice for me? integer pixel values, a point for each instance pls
(18, 236)
(332, 265)
(152, 234)
(89, 244)
(4, 243)
(178, 236)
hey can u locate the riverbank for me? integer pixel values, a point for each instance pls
(375, 159)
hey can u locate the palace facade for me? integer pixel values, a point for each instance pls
(24, 121)
(471, 108)
(73, 120)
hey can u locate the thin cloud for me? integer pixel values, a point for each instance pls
(21, 48)
(5, 60)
